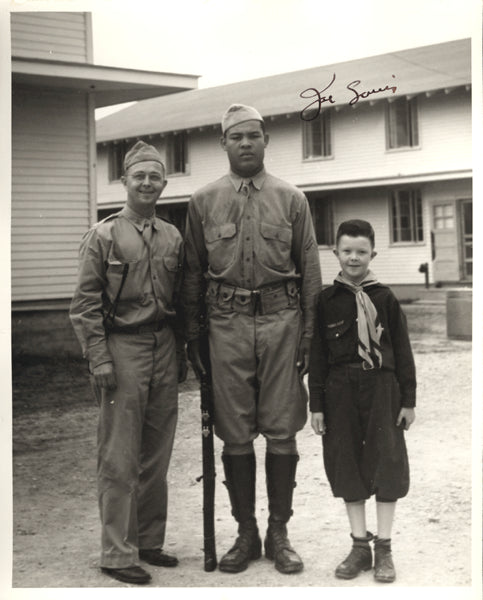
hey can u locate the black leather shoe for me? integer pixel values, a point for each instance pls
(128, 574)
(359, 558)
(158, 558)
(384, 570)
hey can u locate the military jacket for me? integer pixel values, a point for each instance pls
(152, 249)
(249, 240)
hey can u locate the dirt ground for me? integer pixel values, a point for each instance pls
(56, 528)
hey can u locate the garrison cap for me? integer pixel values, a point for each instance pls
(139, 153)
(239, 113)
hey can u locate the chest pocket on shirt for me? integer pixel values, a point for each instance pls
(276, 245)
(221, 245)
(171, 267)
(166, 267)
(340, 340)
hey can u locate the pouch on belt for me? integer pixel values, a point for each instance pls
(268, 299)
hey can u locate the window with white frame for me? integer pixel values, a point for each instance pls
(406, 216)
(322, 217)
(402, 123)
(116, 153)
(443, 216)
(316, 135)
(176, 155)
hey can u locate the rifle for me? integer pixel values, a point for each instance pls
(209, 473)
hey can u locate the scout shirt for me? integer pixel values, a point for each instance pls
(249, 240)
(335, 340)
(153, 250)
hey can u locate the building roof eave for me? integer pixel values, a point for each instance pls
(400, 179)
(109, 85)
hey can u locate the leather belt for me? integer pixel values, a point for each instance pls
(137, 329)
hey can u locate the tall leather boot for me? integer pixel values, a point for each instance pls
(384, 570)
(240, 473)
(359, 558)
(280, 471)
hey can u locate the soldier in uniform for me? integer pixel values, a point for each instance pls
(124, 314)
(252, 261)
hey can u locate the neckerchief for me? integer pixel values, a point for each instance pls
(369, 328)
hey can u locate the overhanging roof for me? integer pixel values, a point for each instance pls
(110, 85)
(418, 70)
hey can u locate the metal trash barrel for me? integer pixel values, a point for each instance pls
(458, 313)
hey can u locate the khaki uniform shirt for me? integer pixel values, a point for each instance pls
(249, 240)
(154, 252)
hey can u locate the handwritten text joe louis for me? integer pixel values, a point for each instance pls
(312, 110)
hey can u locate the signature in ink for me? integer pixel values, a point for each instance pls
(309, 113)
(357, 95)
(312, 110)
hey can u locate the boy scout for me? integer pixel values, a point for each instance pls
(122, 312)
(362, 395)
(251, 253)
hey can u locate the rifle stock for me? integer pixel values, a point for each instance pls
(209, 474)
(208, 453)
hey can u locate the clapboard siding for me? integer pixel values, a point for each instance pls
(50, 195)
(51, 35)
(62, 239)
(23, 34)
(45, 210)
(24, 188)
(50, 253)
(54, 269)
(49, 162)
(45, 199)
(56, 290)
(55, 153)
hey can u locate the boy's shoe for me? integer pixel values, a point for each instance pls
(359, 558)
(128, 574)
(384, 570)
(158, 558)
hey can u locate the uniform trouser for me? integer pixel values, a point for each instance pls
(136, 429)
(256, 384)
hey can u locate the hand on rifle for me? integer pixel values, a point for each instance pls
(303, 356)
(195, 358)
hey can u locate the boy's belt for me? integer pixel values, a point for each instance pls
(359, 365)
(263, 301)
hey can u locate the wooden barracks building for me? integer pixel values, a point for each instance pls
(385, 138)
(55, 89)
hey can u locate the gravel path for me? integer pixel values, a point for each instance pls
(56, 528)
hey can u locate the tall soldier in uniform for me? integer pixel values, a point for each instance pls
(252, 258)
(123, 312)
